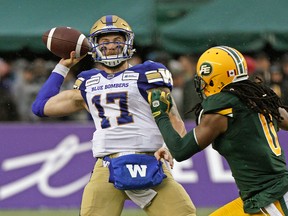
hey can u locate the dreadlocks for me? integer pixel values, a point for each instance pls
(256, 96)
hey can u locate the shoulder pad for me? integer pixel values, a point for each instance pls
(221, 103)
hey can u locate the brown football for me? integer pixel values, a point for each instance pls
(62, 40)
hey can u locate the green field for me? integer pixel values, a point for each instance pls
(69, 212)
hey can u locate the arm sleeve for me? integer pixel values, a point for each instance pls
(50, 88)
(180, 148)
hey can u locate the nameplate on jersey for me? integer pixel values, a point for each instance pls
(135, 171)
(130, 75)
(93, 81)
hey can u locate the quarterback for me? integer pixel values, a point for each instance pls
(126, 136)
(241, 119)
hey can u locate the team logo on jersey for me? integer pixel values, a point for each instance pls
(205, 69)
(110, 76)
(130, 75)
(92, 81)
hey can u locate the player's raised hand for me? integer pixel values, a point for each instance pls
(160, 102)
(70, 62)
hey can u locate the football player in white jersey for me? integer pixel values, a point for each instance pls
(116, 95)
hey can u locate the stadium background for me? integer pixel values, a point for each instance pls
(44, 165)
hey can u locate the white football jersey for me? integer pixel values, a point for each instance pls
(120, 110)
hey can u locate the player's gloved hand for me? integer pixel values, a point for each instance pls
(160, 102)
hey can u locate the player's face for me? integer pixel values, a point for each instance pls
(111, 44)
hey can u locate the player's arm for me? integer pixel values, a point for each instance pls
(284, 123)
(176, 119)
(49, 102)
(210, 127)
(64, 103)
(173, 114)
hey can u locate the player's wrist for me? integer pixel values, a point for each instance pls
(61, 69)
(162, 115)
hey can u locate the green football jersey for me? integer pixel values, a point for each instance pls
(251, 147)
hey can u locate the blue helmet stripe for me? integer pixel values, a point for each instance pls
(109, 20)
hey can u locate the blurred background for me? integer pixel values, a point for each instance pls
(38, 168)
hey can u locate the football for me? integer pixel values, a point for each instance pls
(62, 40)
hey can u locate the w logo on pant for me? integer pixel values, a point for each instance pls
(134, 169)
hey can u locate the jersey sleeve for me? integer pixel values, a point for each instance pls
(81, 82)
(221, 103)
(85, 78)
(154, 75)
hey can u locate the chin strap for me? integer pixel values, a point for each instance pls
(112, 63)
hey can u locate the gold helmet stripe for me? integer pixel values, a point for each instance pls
(237, 59)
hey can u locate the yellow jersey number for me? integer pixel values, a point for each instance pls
(271, 135)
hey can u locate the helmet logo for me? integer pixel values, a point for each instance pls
(205, 69)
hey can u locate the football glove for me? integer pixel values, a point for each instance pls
(160, 102)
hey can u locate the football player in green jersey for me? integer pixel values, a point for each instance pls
(241, 119)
